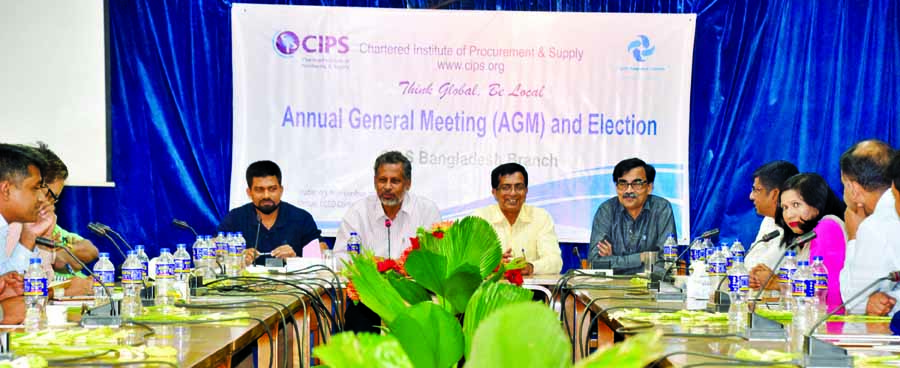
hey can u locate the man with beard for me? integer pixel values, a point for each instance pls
(392, 210)
(392, 213)
(633, 222)
(268, 224)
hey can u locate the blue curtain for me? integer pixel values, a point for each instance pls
(779, 79)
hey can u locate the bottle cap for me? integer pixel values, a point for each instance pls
(180, 245)
(131, 252)
(104, 255)
(803, 263)
(163, 250)
(818, 258)
(35, 260)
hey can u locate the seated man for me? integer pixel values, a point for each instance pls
(391, 204)
(633, 222)
(57, 260)
(524, 231)
(767, 180)
(873, 228)
(22, 195)
(268, 224)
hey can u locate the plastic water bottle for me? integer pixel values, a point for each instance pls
(143, 259)
(698, 253)
(803, 289)
(104, 279)
(737, 249)
(738, 290)
(726, 254)
(670, 250)
(132, 283)
(241, 247)
(698, 284)
(210, 259)
(788, 267)
(183, 271)
(710, 248)
(196, 250)
(820, 274)
(221, 242)
(232, 266)
(35, 296)
(165, 275)
(717, 270)
(353, 243)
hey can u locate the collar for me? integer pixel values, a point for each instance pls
(885, 203)
(405, 206)
(495, 215)
(644, 209)
(3, 223)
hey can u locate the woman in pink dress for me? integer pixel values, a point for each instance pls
(807, 203)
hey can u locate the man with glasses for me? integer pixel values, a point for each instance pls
(767, 180)
(269, 225)
(524, 231)
(633, 222)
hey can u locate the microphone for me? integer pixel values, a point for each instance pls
(798, 241)
(110, 230)
(721, 300)
(100, 230)
(184, 225)
(113, 319)
(387, 224)
(258, 224)
(817, 352)
(709, 233)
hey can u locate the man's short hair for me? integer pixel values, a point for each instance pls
(394, 157)
(627, 165)
(14, 162)
(775, 173)
(893, 170)
(865, 163)
(56, 169)
(507, 169)
(262, 169)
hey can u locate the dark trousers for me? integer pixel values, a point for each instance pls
(359, 318)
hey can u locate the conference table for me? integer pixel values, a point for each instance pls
(608, 298)
(232, 343)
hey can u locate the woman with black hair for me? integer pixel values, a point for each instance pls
(807, 203)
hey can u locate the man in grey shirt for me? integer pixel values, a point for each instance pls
(633, 222)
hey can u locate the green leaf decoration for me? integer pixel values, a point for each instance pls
(412, 292)
(488, 298)
(374, 290)
(635, 352)
(521, 335)
(428, 269)
(460, 286)
(363, 350)
(476, 243)
(430, 336)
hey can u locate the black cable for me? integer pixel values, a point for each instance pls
(251, 304)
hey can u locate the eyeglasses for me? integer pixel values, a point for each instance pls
(509, 188)
(637, 184)
(52, 195)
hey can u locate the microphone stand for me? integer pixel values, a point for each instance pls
(387, 224)
(100, 231)
(108, 229)
(104, 315)
(184, 225)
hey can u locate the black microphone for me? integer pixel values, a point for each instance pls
(113, 310)
(798, 241)
(709, 233)
(101, 231)
(771, 235)
(110, 230)
(184, 225)
(387, 224)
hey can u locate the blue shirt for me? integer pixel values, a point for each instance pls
(293, 226)
(629, 236)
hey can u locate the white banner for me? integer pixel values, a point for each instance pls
(323, 91)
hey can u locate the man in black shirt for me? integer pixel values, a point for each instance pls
(268, 224)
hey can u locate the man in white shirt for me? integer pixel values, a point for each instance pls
(22, 193)
(767, 180)
(873, 228)
(392, 210)
(384, 222)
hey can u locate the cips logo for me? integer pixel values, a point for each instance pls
(287, 43)
(641, 48)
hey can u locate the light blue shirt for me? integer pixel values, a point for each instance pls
(18, 260)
